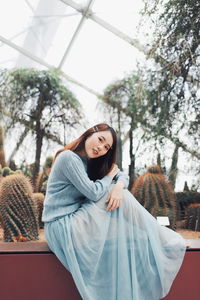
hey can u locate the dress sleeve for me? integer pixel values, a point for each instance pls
(122, 177)
(74, 170)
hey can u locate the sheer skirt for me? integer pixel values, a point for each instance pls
(117, 255)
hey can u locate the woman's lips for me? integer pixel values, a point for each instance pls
(95, 151)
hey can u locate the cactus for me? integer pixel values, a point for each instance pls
(6, 171)
(18, 172)
(156, 194)
(48, 162)
(193, 217)
(17, 209)
(12, 165)
(184, 199)
(39, 199)
(41, 181)
(186, 188)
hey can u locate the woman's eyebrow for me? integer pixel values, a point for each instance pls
(105, 140)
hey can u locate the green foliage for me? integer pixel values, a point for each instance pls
(162, 97)
(156, 194)
(17, 209)
(38, 100)
(184, 199)
(127, 96)
(174, 80)
(28, 88)
(126, 103)
(193, 217)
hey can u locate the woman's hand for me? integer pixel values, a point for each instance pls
(114, 171)
(116, 195)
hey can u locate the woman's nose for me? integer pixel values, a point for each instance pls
(99, 147)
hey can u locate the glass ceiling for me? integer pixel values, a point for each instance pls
(92, 42)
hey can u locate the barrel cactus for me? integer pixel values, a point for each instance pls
(156, 194)
(17, 209)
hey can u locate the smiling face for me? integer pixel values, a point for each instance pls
(98, 144)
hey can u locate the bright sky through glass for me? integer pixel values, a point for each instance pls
(97, 57)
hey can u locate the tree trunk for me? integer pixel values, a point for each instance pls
(132, 158)
(2, 153)
(132, 172)
(119, 151)
(119, 141)
(37, 114)
(173, 169)
(36, 168)
(159, 159)
(19, 143)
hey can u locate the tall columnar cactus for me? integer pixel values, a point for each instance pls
(156, 194)
(2, 154)
(42, 178)
(17, 209)
(39, 199)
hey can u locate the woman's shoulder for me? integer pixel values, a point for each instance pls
(69, 155)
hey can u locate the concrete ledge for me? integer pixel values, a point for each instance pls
(26, 247)
(42, 247)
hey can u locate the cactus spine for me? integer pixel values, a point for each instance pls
(156, 194)
(17, 209)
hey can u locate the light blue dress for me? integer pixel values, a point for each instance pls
(112, 255)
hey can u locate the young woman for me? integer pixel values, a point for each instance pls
(114, 249)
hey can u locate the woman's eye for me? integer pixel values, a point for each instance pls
(100, 139)
(107, 148)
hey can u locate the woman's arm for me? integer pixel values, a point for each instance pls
(121, 176)
(116, 193)
(72, 167)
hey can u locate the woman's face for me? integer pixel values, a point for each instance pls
(98, 144)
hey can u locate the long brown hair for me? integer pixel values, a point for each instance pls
(98, 167)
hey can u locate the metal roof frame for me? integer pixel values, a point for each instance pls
(87, 13)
